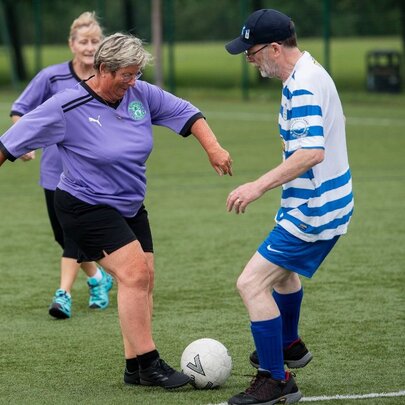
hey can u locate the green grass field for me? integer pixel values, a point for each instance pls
(208, 65)
(353, 310)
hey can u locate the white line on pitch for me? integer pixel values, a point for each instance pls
(363, 396)
(344, 397)
(246, 116)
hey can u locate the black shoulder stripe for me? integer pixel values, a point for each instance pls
(77, 102)
(60, 77)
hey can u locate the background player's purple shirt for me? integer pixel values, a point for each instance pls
(44, 85)
(103, 149)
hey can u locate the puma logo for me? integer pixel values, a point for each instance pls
(95, 120)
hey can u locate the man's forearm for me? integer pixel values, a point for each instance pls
(300, 162)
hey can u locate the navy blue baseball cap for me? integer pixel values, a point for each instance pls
(262, 27)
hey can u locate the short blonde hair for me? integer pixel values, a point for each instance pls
(86, 19)
(121, 50)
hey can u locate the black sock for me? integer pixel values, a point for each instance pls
(132, 365)
(146, 359)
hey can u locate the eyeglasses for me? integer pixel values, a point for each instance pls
(251, 54)
(127, 77)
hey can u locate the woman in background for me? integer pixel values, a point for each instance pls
(84, 39)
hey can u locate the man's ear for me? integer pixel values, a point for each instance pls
(276, 48)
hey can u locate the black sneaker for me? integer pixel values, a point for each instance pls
(132, 378)
(295, 356)
(264, 390)
(161, 374)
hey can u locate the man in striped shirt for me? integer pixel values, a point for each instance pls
(316, 202)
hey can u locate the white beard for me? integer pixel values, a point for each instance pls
(269, 69)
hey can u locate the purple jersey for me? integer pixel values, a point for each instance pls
(104, 149)
(44, 85)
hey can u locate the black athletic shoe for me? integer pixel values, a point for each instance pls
(161, 374)
(264, 390)
(295, 356)
(132, 378)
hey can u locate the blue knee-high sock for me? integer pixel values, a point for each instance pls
(289, 306)
(269, 345)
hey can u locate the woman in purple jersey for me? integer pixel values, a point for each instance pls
(103, 130)
(84, 38)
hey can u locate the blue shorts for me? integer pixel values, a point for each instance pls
(294, 254)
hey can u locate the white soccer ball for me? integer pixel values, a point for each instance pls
(207, 362)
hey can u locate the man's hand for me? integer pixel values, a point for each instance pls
(242, 196)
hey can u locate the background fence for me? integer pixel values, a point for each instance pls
(35, 28)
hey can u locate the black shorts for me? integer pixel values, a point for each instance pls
(69, 246)
(56, 228)
(100, 228)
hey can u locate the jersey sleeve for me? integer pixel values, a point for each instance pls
(306, 124)
(171, 111)
(42, 127)
(37, 91)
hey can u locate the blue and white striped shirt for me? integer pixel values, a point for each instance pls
(317, 205)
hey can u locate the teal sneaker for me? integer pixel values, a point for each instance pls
(99, 290)
(61, 305)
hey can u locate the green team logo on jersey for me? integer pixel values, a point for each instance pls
(136, 110)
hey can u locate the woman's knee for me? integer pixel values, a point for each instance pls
(151, 267)
(134, 277)
(151, 280)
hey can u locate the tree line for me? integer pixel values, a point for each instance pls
(207, 20)
(27, 22)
